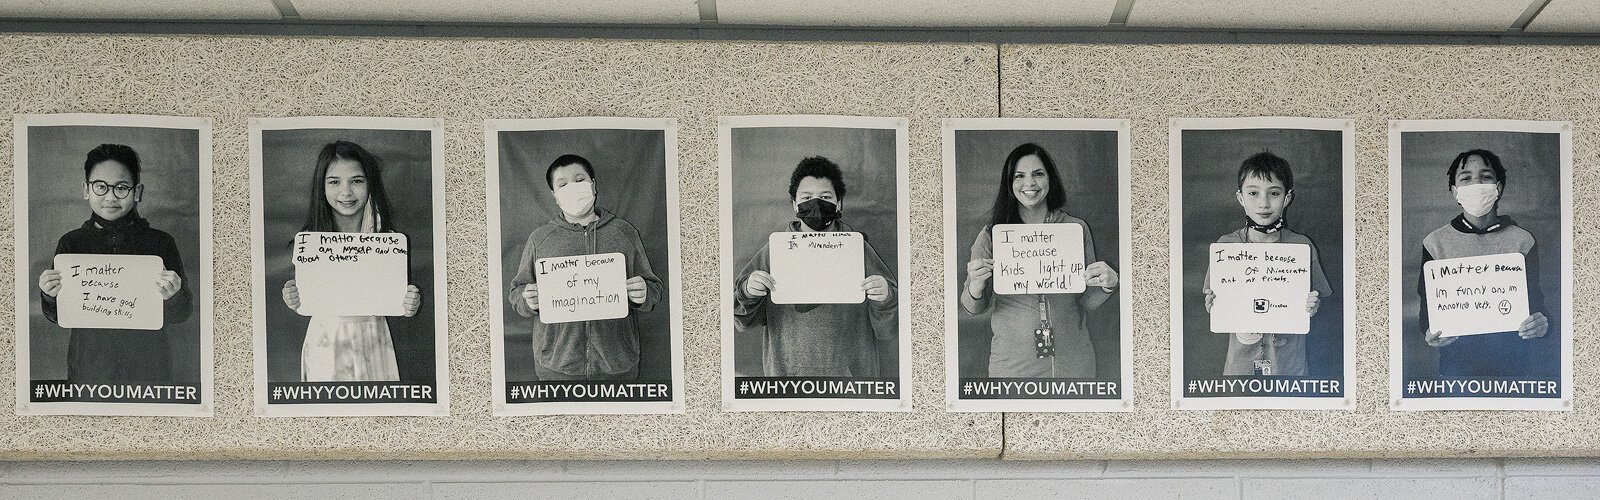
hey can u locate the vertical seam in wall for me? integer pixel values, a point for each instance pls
(999, 92)
(1003, 444)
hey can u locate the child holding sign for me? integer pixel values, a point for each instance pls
(831, 340)
(112, 187)
(1030, 192)
(598, 349)
(347, 196)
(1476, 179)
(1265, 190)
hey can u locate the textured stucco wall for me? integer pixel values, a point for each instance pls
(465, 81)
(1370, 84)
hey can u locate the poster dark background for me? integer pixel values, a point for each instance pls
(763, 160)
(630, 180)
(288, 160)
(1087, 164)
(1211, 160)
(169, 164)
(1532, 197)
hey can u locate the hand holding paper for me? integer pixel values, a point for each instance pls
(877, 288)
(350, 274)
(412, 301)
(530, 295)
(636, 290)
(1101, 275)
(50, 282)
(169, 283)
(111, 291)
(759, 284)
(1038, 258)
(1534, 327)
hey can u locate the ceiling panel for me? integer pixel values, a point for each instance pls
(503, 11)
(1382, 15)
(1570, 16)
(138, 9)
(908, 13)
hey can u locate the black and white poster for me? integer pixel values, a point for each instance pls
(815, 238)
(347, 216)
(586, 295)
(1036, 219)
(1262, 232)
(1480, 272)
(113, 265)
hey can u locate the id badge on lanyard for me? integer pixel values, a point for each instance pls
(1044, 342)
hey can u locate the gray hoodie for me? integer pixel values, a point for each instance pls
(596, 347)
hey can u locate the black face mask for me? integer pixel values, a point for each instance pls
(817, 213)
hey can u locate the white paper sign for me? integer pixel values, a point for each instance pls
(109, 291)
(817, 267)
(582, 287)
(1476, 295)
(351, 274)
(1038, 258)
(1260, 287)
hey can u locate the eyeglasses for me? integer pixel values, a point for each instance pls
(120, 190)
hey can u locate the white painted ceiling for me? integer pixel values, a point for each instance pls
(1553, 16)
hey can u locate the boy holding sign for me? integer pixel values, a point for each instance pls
(112, 187)
(1477, 178)
(833, 339)
(576, 349)
(1266, 188)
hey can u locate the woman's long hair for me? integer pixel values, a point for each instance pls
(319, 215)
(1005, 203)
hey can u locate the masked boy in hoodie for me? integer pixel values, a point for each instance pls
(604, 349)
(830, 340)
(112, 187)
(1476, 179)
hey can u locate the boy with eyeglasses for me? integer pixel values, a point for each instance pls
(112, 188)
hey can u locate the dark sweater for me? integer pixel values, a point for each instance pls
(827, 340)
(117, 355)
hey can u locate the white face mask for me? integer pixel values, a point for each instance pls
(1477, 199)
(576, 199)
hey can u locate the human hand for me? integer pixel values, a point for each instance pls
(291, 295)
(978, 273)
(530, 296)
(759, 284)
(1313, 302)
(877, 288)
(636, 290)
(412, 301)
(1101, 275)
(1534, 327)
(50, 282)
(1211, 297)
(169, 283)
(1435, 338)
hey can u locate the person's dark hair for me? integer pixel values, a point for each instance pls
(563, 161)
(1488, 157)
(817, 166)
(114, 152)
(319, 215)
(1005, 203)
(1266, 166)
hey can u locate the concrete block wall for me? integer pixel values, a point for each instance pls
(1509, 478)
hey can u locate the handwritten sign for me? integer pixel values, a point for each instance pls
(817, 268)
(109, 291)
(1038, 258)
(1260, 287)
(582, 287)
(1476, 295)
(350, 274)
